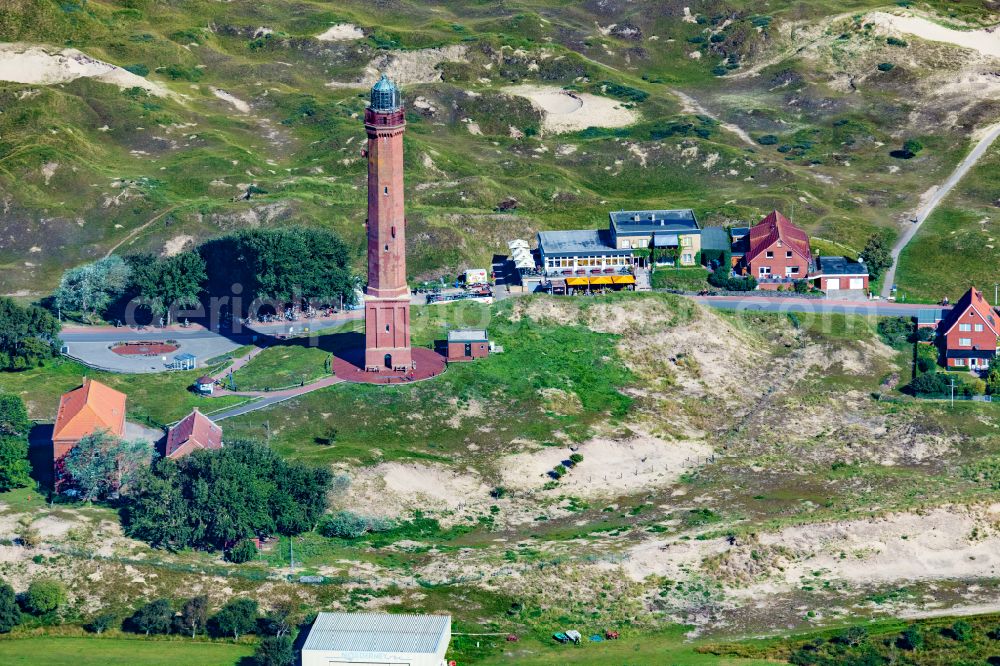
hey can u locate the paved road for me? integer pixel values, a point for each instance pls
(922, 214)
(818, 306)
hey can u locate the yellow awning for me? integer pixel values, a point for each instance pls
(576, 282)
(623, 279)
(603, 279)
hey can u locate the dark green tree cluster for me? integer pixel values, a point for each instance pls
(28, 335)
(212, 499)
(14, 425)
(168, 283)
(281, 264)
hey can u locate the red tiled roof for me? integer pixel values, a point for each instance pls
(773, 228)
(195, 431)
(970, 299)
(90, 408)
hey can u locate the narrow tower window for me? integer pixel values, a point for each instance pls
(385, 190)
(393, 232)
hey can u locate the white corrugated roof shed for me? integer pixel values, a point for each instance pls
(378, 632)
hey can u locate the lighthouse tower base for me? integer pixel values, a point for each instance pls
(387, 334)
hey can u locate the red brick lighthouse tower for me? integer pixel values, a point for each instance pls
(387, 304)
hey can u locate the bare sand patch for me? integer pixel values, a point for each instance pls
(394, 490)
(236, 102)
(38, 64)
(985, 41)
(949, 542)
(176, 245)
(570, 111)
(406, 67)
(341, 32)
(610, 467)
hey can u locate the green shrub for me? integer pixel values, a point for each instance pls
(623, 92)
(885, 66)
(44, 595)
(576, 458)
(931, 384)
(767, 140)
(896, 41)
(243, 551)
(138, 69)
(560, 470)
(895, 331)
(10, 614)
(802, 286)
(349, 525)
(717, 38)
(961, 631)
(719, 71)
(912, 638)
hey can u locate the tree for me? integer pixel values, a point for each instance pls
(913, 147)
(153, 618)
(44, 595)
(993, 377)
(28, 335)
(236, 618)
(101, 623)
(277, 622)
(281, 264)
(214, 498)
(10, 614)
(244, 551)
(194, 615)
(877, 255)
(274, 651)
(15, 470)
(167, 284)
(13, 415)
(102, 465)
(91, 288)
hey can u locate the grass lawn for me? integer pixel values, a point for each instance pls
(685, 279)
(53, 651)
(162, 397)
(667, 648)
(282, 366)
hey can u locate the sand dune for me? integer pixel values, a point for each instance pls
(986, 41)
(37, 64)
(568, 111)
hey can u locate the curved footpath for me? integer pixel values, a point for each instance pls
(924, 212)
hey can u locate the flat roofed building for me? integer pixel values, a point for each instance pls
(659, 229)
(586, 250)
(839, 273)
(377, 639)
(468, 344)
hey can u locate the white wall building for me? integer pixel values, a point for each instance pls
(377, 639)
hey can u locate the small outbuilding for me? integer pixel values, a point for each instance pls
(370, 639)
(204, 385)
(468, 345)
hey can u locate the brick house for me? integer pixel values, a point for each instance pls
(83, 411)
(468, 345)
(968, 334)
(777, 252)
(195, 431)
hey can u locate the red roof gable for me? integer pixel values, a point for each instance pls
(971, 299)
(773, 228)
(194, 431)
(87, 409)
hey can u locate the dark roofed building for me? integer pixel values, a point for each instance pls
(581, 252)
